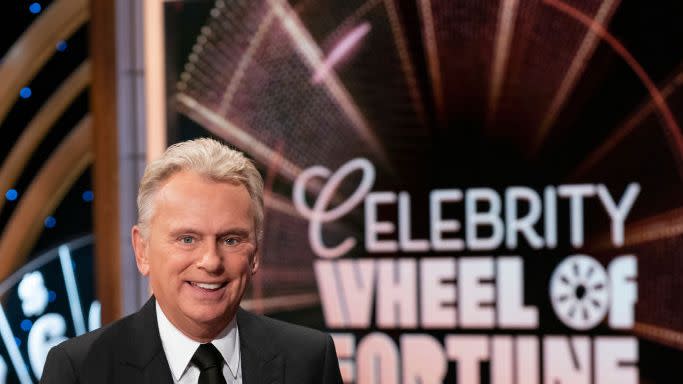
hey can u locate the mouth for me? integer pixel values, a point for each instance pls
(208, 286)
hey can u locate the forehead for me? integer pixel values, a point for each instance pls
(189, 197)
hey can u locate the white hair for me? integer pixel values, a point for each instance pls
(208, 158)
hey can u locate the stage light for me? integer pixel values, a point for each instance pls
(25, 93)
(11, 194)
(88, 196)
(26, 325)
(35, 8)
(61, 46)
(50, 222)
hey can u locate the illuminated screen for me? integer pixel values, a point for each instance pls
(48, 300)
(46, 195)
(458, 191)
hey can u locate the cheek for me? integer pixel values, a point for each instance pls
(167, 264)
(236, 267)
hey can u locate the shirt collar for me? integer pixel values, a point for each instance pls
(179, 348)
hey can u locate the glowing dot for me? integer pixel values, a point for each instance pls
(11, 194)
(51, 296)
(88, 196)
(25, 93)
(18, 341)
(35, 8)
(61, 46)
(26, 325)
(50, 222)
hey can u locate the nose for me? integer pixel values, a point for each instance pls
(211, 260)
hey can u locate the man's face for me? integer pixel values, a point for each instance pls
(199, 252)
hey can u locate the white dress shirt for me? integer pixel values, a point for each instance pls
(179, 350)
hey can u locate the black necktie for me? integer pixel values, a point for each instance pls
(210, 364)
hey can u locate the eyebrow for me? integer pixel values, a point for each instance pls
(243, 232)
(240, 231)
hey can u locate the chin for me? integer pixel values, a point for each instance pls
(209, 313)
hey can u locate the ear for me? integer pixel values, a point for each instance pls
(140, 249)
(255, 261)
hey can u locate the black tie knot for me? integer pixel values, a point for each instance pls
(206, 357)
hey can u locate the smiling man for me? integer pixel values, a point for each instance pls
(200, 209)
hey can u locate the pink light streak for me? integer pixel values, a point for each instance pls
(655, 94)
(342, 49)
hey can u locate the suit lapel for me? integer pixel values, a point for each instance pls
(261, 363)
(157, 371)
(144, 354)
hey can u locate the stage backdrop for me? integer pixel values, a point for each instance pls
(459, 191)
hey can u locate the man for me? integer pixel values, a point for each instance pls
(200, 209)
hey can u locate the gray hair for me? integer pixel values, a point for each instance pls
(208, 158)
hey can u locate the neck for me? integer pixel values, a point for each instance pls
(203, 332)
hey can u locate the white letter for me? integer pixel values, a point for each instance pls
(576, 193)
(566, 360)
(3, 370)
(345, 344)
(374, 227)
(377, 360)
(501, 360)
(623, 272)
(527, 360)
(439, 226)
(404, 227)
(424, 361)
(524, 225)
(435, 293)
(94, 315)
(474, 292)
(318, 215)
(474, 218)
(616, 359)
(618, 213)
(510, 288)
(550, 217)
(346, 290)
(396, 304)
(46, 332)
(467, 351)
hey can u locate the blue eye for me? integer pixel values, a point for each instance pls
(187, 239)
(231, 241)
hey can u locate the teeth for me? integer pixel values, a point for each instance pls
(207, 285)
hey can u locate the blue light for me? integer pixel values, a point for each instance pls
(61, 46)
(18, 341)
(25, 93)
(50, 222)
(35, 8)
(11, 194)
(51, 296)
(26, 325)
(88, 196)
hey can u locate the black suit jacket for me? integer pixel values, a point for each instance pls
(130, 351)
